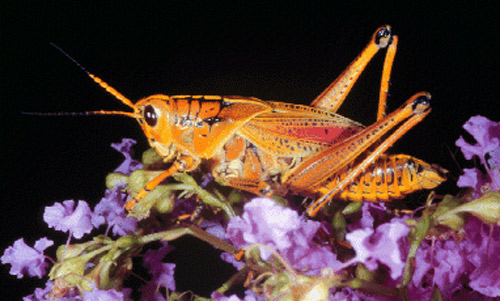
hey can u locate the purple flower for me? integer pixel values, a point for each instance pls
(372, 214)
(263, 221)
(482, 250)
(423, 293)
(442, 264)
(229, 258)
(249, 296)
(494, 161)
(367, 220)
(129, 164)
(215, 227)
(473, 261)
(486, 133)
(105, 295)
(485, 278)
(163, 273)
(26, 260)
(345, 293)
(40, 293)
(382, 245)
(110, 210)
(220, 297)
(472, 178)
(63, 218)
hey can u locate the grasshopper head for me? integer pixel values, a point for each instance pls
(152, 113)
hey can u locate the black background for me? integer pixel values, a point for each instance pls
(281, 51)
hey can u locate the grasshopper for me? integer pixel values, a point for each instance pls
(269, 147)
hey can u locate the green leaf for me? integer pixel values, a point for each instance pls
(486, 208)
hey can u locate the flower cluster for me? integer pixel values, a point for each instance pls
(76, 221)
(449, 249)
(281, 229)
(471, 258)
(452, 264)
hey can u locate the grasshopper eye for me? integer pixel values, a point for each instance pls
(150, 116)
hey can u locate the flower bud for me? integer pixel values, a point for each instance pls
(139, 178)
(115, 178)
(126, 242)
(351, 208)
(150, 158)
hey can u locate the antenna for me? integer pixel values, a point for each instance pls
(101, 112)
(99, 81)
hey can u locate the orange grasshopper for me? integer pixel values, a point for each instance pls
(268, 147)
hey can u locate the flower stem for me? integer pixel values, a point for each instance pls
(237, 278)
(193, 230)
